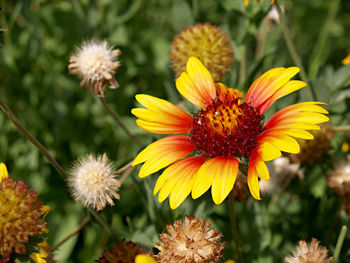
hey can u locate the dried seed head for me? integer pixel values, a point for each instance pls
(190, 241)
(95, 62)
(123, 252)
(312, 151)
(20, 216)
(206, 42)
(311, 253)
(93, 181)
(339, 180)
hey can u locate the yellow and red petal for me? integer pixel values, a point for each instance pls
(290, 114)
(161, 116)
(253, 181)
(266, 151)
(224, 180)
(218, 172)
(163, 152)
(196, 84)
(286, 89)
(177, 180)
(226, 94)
(281, 141)
(261, 94)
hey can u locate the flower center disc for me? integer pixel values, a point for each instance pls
(226, 128)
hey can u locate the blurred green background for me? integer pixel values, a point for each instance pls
(34, 82)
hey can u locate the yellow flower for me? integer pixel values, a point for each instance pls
(226, 130)
(3, 171)
(346, 61)
(40, 257)
(206, 42)
(230, 261)
(144, 259)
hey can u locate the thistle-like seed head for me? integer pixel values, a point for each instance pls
(95, 62)
(93, 181)
(309, 253)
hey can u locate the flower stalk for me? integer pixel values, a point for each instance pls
(75, 231)
(339, 245)
(119, 122)
(32, 139)
(234, 227)
(292, 50)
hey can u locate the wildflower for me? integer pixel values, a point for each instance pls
(40, 257)
(20, 217)
(93, 181)
(346, 60)
(312, 151)
(190, 241)
(206, 42)
(311, 253)
(339, 180)
(95, 62)
(3, 171)
(123, 252)
(246, 2)
(144, 259)
(225, 131)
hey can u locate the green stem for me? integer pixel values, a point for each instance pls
(75, 231)
(318, 51)
(103, 223)
(292, 50)
(32, 139)
(234, 226)
(339, 243)
(243, 66)
(119, 122)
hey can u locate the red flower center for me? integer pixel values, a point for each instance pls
(226, 128)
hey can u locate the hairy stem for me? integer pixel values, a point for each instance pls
(119, 122)
(292, 50)
(32, 139)
(234, 227)
(75, 231)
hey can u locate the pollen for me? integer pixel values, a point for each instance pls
(226, 127)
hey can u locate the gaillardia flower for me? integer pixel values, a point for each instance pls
(21, 217)
(206, 42)
(227, 130)
(190, 241)
(123, 252)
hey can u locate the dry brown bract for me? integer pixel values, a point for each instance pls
(309, 254)
(190, 241)
(95, 63)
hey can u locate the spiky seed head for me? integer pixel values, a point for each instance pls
(206, 42)
(93, 181)
(123, 252)
(309, 253)
(190, 241)
(95, 63)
